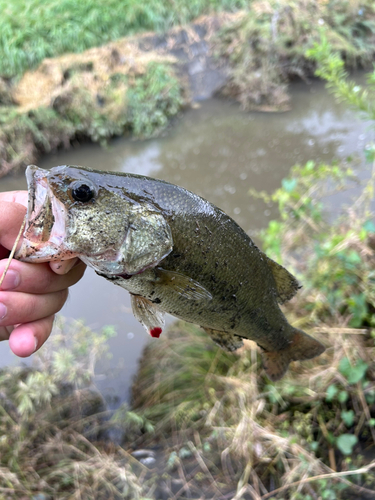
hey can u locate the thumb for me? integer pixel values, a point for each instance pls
(11, 218)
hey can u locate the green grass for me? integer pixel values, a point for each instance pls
(141, 106)
(32, 30)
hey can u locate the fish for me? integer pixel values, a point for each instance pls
(172, 250)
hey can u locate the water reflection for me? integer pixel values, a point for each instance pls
(218, 152)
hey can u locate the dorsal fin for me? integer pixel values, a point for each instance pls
(286, 284)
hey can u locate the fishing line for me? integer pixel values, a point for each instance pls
(10, 258)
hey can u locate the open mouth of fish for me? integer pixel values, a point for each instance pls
(45, 227)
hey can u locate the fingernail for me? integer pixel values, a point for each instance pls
(3, 310)
(11, 281)
(36, 343)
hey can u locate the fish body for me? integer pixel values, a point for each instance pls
(172, 250)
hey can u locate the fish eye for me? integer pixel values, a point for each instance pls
(82, 191)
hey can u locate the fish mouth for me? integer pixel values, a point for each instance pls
(45, 226)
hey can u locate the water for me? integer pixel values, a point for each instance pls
(218, 152)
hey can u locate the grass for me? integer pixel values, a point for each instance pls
(306, 436)
(220, 428)
(312, 434)
(51, 421)
(139, 101)
(120, 89)
(32, 30)
(266, 46)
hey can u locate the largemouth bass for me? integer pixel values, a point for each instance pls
(172, 250)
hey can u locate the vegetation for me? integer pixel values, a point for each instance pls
(32, 30)
(109, 91)
(266, 46)
(308, 435)
(138, 101)
(50, 417)
(223, 430)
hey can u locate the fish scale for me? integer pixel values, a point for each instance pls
(173, 251)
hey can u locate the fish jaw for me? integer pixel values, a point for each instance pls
(45, 229)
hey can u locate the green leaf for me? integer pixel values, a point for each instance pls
(348, 417)
(331, 392)
(343, 396)
(184, 452)
(355, 373)
(328, 495)
(345, 367)
(346, 442)
(314, 446)
(289, 184)
(369, 226)
(353, 257)
(172, 460)
(358, 308)
(358, 372)
(370, 153)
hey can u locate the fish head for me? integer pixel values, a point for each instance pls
(77, 212)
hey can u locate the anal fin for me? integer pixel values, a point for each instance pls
(301, 347)
(227, 341)
(148, 314)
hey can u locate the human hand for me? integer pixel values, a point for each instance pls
(30, 294)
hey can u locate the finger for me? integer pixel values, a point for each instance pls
(37, 278)
(29, 337)
(63, 267)
(5, 331)
(18, 307)
(14, 197)
(11, 218)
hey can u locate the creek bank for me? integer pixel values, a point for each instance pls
(136, 85)
(131, 86)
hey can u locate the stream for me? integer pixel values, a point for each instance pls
(219, 152)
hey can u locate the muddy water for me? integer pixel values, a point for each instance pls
(218, 152)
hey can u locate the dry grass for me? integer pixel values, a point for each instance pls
(94, 67)
(247, 436)
(113, 90)
(232, 433)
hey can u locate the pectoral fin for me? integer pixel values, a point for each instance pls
(148, 314)
(181, 284)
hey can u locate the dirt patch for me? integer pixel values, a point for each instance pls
(132, 86)
(92, 69)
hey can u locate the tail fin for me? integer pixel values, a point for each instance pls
(301, 347)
